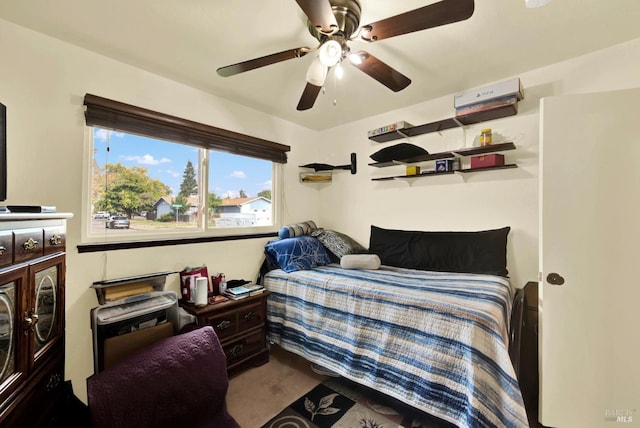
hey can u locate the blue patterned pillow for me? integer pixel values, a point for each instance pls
(298, 229)
(300, 253)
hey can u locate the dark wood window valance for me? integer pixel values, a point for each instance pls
(109, 114)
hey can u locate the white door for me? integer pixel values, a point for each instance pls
(590, 237)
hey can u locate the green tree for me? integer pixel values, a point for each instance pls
(265, 194)
(243, 194)
(129, 190)
(183, 201)
(189, 185)
(213, 202)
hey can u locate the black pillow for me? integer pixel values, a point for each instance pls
(468, 252)
(399, 151)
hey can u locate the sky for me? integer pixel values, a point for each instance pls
(166, 162)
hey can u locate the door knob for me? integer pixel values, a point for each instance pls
(555, 279)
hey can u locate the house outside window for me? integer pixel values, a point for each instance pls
(166, 187)
(168, 176)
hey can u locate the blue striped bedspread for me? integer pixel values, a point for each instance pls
(437, 341)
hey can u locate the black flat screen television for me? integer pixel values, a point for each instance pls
(3, 152)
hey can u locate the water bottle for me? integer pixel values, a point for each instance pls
(223, 285)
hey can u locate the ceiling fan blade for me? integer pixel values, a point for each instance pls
(380, 71)
(433, 15)
(319, 13)
(308, 97)
(251, 64)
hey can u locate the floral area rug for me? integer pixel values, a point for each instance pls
(339, 403)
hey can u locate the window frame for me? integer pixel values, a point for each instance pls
(116, 116)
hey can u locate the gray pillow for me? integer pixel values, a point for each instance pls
(338, 243)
(360, 261)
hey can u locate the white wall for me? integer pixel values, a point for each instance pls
(474, 201)
(43, 81)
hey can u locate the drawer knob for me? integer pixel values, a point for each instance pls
(30, 321)
(54, 382)
(223, 325)
(249, 316)
(2, 250)
(237, 350)
(30, 244)
(55, 240)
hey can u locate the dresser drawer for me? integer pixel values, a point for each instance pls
(55, 240)
(251, 316)
(225, 324)
(6, 248)
(245, 346)
(28, 244)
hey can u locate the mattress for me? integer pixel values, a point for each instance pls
(435, 340)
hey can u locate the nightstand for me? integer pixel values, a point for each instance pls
(241, 328)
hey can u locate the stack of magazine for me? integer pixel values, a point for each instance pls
(243, 291)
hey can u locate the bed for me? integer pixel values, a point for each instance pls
(435, 339)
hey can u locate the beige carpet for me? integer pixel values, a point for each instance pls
(258, 394)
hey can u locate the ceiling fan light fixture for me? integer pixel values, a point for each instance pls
(535, 3)
(316, 73)
(330, 53)
(355, 59)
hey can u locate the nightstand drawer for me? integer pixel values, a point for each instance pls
(250, 316)
(245, 346)
(225, 324)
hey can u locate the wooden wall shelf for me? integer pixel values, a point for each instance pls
(449, 123)
(434, 173)
(464, 152)
(468, 151)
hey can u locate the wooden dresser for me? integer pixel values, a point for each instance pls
(241, 328)
(32, 291)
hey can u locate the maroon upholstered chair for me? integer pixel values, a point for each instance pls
(178, 381)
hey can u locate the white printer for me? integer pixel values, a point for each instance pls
(134, 312)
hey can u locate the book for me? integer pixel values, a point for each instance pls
(256, 292)
(236, 296)
(239, 290)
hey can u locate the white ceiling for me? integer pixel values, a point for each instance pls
(187, 40)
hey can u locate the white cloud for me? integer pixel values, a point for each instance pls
(238, 174)
(267, 184)
(146, 160)
(172, 173)
(101, 134)
(231, 194)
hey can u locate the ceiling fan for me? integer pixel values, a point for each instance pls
(335, 22)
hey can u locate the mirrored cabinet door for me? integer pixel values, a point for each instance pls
(46, 304)
(46, 290)
(12, 366)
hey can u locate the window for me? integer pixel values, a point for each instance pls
(200, 181)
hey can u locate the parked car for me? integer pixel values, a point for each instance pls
(101, 215)
(117, 222)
